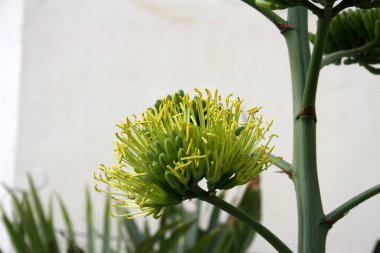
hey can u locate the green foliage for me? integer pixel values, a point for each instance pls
(377, 247)
(354, 38)
(366, 4)
(180, 229)
(90, 224)
(32, 231)
(236, 236)
(31, 228)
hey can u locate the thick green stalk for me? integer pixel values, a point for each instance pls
(311, 233)
(299, 52)
(257, 226)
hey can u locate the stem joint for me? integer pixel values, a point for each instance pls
(307, 112)
(283, 27)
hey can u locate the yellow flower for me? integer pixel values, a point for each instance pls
(166, 152)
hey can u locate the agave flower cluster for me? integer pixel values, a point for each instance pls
(165, 154)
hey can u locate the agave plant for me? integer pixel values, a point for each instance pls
(180, 229)
(32, 230)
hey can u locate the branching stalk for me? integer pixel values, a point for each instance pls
(308, 99)
(254, 224)
(372, 69)
(314, 8)
(331, 58)
(278, 21)
(343, 209)
(341, 6)
(281, 164)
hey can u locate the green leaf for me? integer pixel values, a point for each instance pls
(16, 238)
(17, 205)
(225, 241)
(377, 247)
(31, 229)
(72, 246)
(204, 241)
(236, 236)
(52, 242)
(50, 219)
(106, 225)
(192, 236)
(146, 229)
(148, 243)
(67, 220)
(134, 233)
(171, 214)
(90, 225)
(128, 249)
(250, 204)
(47, 228)
(214, 224)
(120, 238)
(172, 241)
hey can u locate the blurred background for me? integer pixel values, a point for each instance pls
(71, 70)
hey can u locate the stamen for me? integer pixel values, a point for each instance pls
(138, 175)
(193, 157)
(199, 93)
(181, 165)
(213, 135)
(189, 147)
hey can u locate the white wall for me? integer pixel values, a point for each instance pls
(88, 64)
(11, 14)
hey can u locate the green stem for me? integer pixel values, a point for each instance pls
(299, 52)
(372, 69)
(280, 23)
(343, 209)
(308, 100)
(313, 8)
(281, 164)
(254, 224)
(331, 58)
(311, 233)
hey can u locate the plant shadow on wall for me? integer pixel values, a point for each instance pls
(196, 148)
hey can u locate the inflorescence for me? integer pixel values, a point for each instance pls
(164, 154)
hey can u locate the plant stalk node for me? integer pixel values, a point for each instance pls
(307, 112)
